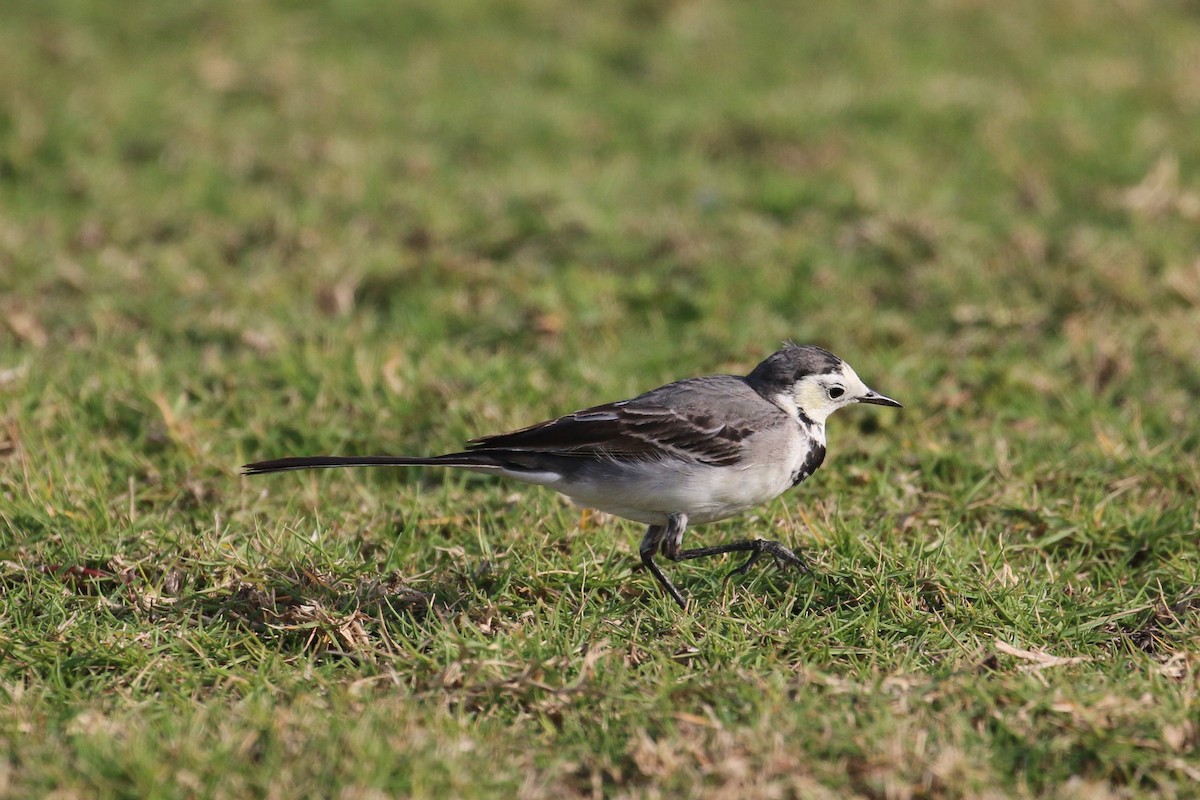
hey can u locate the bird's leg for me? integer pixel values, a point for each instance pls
(756, 547)
(667, 536)
(672, 536)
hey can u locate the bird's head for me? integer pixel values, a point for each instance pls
(811, 382)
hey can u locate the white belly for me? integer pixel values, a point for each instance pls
(651, 491)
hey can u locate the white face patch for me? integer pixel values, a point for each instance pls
(817, 396)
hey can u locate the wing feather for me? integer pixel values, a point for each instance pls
(707, 420)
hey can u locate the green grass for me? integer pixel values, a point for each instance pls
(234, 231)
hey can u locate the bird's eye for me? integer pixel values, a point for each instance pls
(835, 392)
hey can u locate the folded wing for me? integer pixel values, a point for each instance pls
(706, 420)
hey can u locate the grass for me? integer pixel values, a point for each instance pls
(242, 230)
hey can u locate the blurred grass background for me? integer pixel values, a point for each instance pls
(239, 230)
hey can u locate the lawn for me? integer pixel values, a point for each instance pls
(232, 231)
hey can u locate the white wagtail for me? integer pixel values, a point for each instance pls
(694, 451)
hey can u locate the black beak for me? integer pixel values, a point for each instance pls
(875, 398)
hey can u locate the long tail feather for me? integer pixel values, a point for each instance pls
(324, 462)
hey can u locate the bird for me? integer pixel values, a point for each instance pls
(688, 453)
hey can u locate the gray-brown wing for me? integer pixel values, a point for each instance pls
(701, 419)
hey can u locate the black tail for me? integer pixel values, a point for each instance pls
(323, 462)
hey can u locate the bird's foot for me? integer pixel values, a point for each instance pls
(760, 547)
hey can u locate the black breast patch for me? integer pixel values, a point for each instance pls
(811, 462)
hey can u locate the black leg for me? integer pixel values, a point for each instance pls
(756, 547)
(663, 536)
(669, 538)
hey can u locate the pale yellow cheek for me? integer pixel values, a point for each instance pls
(810, 396)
